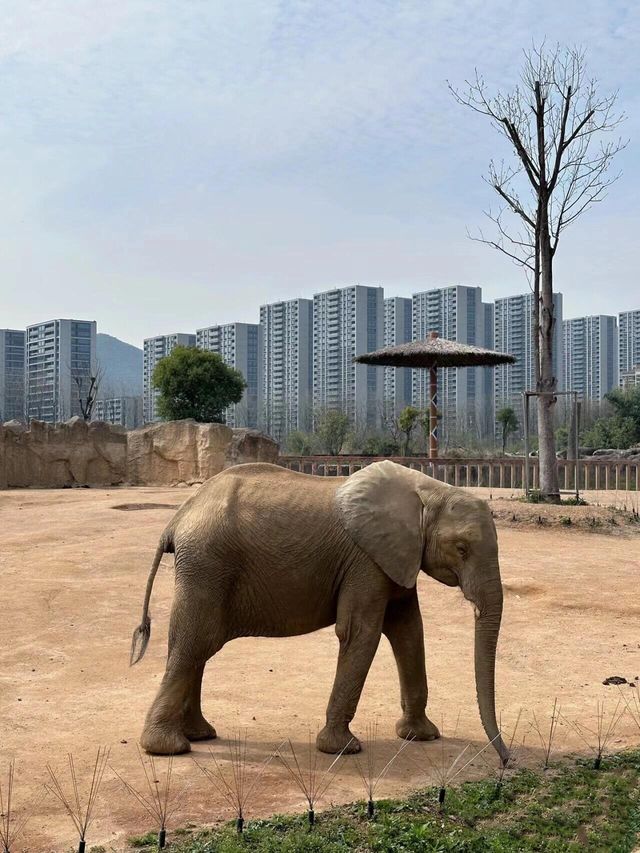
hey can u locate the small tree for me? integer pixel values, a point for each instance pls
(332, 430)
(408, 420)
(196, 384)
(300, 443)
(509, 422)
(88, 386)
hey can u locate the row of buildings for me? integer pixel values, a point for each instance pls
(298, 359)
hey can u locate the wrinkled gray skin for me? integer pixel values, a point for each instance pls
(262, 551)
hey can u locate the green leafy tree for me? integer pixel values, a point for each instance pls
(508, 421)
(196, 384)
(622, 428)
(380, 445)
(408, 420)
(332, 429)
(300, 443)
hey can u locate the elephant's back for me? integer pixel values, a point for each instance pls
(272, 542)
(265, 502)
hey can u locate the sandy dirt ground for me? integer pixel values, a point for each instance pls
(72, 575)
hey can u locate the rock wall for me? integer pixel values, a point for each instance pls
(77, 453)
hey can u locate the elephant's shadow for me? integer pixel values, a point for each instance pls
(396, 766)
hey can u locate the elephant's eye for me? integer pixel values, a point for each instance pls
(462, 549)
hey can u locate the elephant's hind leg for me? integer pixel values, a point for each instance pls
(196, 726)
(403, 628)
(175, 716)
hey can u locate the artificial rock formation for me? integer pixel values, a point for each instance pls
(77, 453)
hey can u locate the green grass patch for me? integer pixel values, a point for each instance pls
(569, 807)
(536, 497)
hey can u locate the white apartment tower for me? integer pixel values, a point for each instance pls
(12, 363)
(513, 333)
(398, 329)
(456, 313)
(348, 321)
(286, 367)
(120, 411)
(591, 355)
(155, 349)
(238, 344)
(629, 341)
(60, 361)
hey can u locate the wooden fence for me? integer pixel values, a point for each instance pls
(502, 472)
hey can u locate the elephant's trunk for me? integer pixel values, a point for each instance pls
(488, 602)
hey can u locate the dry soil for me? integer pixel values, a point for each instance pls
(72, 576)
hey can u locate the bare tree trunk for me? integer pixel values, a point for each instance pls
(548, 466)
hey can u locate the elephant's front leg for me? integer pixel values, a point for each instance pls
(403, 627)
(359, 634)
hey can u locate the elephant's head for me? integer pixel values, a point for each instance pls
(406, 521)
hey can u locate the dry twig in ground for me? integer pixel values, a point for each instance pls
(312, 781)
(236, 790)
(371, 773)
(597, 740)
(10, 825)
(158, 801)
(81, 814)
(546, 737)
(443, 769)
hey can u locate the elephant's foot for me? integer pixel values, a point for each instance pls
(416, 728)
(199, 730)
(161, 740)
(333, 739)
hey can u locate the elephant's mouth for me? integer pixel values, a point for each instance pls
(444, 575)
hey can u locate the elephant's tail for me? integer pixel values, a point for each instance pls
(141, 635)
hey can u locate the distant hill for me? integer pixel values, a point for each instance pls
(121, 366)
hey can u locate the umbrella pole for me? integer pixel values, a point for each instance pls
(433, 412)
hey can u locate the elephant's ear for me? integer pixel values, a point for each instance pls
(382, 508)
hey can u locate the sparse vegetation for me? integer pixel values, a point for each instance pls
(571, 807)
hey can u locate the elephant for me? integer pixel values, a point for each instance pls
(264, 551)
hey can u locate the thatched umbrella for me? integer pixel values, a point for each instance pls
(434, 352)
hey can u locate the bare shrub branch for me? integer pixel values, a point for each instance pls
(309, 777)
(235, 787)
(159, 801)
(79, 812)
(11, 826)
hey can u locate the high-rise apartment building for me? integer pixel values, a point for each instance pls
(238, 344)
(630, 378)
(285, 395)
(591, 355)
(60, 364)
(513, 333)
(398, 329)
(628, 341)
(120, 411)
(155, 349)
(456, 313)
(348, 321)
(12, 363)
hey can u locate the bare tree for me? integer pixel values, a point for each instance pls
(560, 130)
(88, 386)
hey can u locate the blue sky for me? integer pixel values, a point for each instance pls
(168, 165)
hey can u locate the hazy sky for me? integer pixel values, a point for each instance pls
(169, 165)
